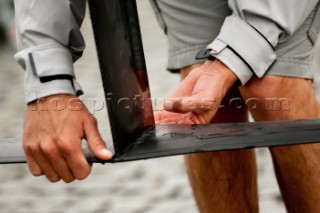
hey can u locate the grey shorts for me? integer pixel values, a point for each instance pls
(191, 25)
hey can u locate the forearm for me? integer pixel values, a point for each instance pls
(225, 78)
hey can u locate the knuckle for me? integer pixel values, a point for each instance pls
(27, 146)
(179, 106)
(90, 119)
(93, 120)
(66, 144)
(30, 147)
(96, 142)
(83, 175)
(68, 180)
(66, 147)
(37, 173)
(47, 148)
(54, 179)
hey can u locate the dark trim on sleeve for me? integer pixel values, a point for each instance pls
(46, 79)
(264, 38)
(239, 56)
(33, 65)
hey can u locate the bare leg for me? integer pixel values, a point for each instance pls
(297, 167)
(224, 181)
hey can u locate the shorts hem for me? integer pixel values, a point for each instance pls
(184, 57)
(282, 67)
(292, 68)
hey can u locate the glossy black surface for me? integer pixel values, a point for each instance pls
(118, 40)
(170, 140)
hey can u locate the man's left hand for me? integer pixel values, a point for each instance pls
(198, 97)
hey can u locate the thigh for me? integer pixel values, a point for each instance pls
(212, 175)
(296, 167)
(280, 98)
(190, 26)
(225, 181)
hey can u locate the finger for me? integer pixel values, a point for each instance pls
(34, 168)
(72, 152)
(157, 116)
(173, 118)
(170, 121)
(45, 165)
(78, 163)
(204, 95)
(185, 88)
(94, 140)
(167, 121)
(57, 161)
(63, 170)
(79, 166)
(178, 105)
(162, 115)
(196, 103)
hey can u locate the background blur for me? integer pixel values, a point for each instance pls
(153, 186)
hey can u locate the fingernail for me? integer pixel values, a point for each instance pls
(106, 153)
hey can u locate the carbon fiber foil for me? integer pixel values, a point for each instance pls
(170, 140)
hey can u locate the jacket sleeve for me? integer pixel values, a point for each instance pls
(249, 36)
(49, 41)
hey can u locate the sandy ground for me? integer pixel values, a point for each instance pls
(151, 186)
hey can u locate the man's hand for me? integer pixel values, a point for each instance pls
(198, 97)
(53, 131)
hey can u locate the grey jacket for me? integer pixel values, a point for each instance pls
(49, 39)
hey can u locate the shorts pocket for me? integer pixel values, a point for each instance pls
(315, 26)
(158, 14)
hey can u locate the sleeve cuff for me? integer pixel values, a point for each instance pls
(232, 61)
(47, 61)
(242, 49)
(53, 88)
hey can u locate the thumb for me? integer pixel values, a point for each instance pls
(95, 142)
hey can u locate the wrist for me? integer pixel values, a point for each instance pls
(51, 97)
(223, 72)
(58, 102)
(224, 77)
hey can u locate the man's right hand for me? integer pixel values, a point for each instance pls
(53, 132)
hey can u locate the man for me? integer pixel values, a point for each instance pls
(265, 46)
